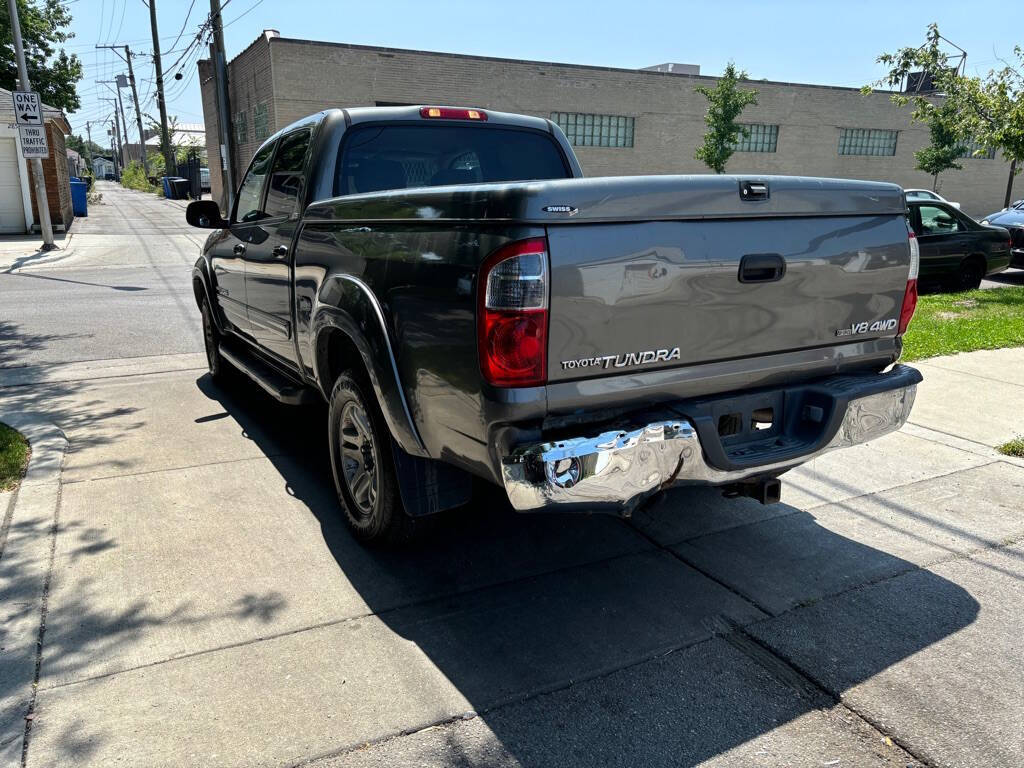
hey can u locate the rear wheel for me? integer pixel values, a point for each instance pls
(969, 275)
(364, 467)
(211, 341)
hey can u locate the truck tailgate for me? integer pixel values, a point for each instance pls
(642, 295)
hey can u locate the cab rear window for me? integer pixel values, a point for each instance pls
(381, 157)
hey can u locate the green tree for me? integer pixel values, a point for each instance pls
(52, 72)
(945, 148)
(725, 103)
(169, 151)
(79, 144)
(989, 110)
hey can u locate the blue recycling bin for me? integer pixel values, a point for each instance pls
(79, 201)
(168, 192)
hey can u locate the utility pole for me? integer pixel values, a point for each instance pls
(124, 122)
(37, 165)
(113, 150)
(169, 166)
(138, 112)
(127, 56)
(227, 155)
(88, 147)
(117, 133)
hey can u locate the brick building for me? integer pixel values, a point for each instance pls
(18, 212)
(621, 121)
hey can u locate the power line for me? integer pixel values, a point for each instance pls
(243, 13)
(185, 24)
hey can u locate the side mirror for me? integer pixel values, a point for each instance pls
(204, 214)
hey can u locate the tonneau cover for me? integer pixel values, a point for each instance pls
(619, 198)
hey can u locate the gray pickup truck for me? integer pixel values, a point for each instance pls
(470, 306)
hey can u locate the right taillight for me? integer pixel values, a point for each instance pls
(512, 316)
(910, 295)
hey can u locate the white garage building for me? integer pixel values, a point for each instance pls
(17, 207)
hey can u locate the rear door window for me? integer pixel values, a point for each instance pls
(938, 221)
(286, 177)
(380, 157)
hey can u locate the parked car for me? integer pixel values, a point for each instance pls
(1016, 205)
(957, 251)
(204, 179)
(1012, 219)
(469, 305)
(928, 195)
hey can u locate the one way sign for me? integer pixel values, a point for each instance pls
(28, 109)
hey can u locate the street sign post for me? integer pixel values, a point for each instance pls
(33, 141)
(45, 225)
(28, 108)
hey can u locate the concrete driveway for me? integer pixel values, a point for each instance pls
(202, 603)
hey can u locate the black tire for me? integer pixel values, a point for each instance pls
(970, 275)
(364, 467)
(211, 342)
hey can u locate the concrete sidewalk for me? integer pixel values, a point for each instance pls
(206, 605)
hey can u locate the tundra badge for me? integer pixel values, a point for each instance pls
(621, 361)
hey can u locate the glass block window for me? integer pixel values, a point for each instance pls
(983, 153)
(584, 130)
(867, 141)
(760, 138)
(259, 122)
(241, 127)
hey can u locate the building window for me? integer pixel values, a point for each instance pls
(760, 138)
(241, 127)
(867, 141)
(983, 153)
(585, 130)
(259, 122)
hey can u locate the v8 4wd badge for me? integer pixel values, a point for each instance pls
(879, 326)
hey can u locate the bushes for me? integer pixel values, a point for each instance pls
(133, 177)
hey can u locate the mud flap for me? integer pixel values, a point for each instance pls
(429, 486)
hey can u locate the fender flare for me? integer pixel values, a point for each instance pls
(201, 272)
(346, 305)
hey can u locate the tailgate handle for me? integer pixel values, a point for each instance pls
(753, 190)
(762, 268)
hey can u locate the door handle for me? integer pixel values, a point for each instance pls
(280, 251)
(761, 268)
(240, 249)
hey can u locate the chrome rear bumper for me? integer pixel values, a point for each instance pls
(616, 470)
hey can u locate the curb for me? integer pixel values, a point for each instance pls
(27, 538)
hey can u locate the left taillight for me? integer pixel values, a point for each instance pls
(910, 294)
(512, 317)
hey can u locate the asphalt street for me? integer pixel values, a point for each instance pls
(117, 287)
(184, 593)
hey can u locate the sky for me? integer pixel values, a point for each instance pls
(826, 42)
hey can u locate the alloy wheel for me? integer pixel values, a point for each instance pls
(359, 460)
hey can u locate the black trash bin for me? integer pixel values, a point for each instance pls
(180, 187)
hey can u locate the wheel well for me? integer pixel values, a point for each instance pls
(337, 353)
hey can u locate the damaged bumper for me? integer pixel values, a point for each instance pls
(617, 469)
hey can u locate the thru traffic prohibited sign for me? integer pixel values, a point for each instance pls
(33, 141)
(28, 108)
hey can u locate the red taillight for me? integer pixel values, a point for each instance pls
(909, 305)
(451, 113)
(513, 315)
(910, 295)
